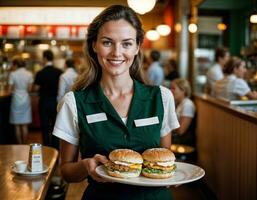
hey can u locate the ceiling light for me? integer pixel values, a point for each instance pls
(222, 26)
(163, 29)
(152, 35)
(192, 28)
(142, 6)
(253, 18)
(178, 27)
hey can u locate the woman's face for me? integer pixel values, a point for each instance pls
(116, 47)
(240, 71)
(178, 93)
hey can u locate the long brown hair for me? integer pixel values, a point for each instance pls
(93, 70)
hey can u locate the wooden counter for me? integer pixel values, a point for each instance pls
(227, 148)
(15, 187)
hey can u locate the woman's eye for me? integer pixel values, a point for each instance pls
(126, 44)
(107, 43)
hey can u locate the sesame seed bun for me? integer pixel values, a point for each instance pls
(158, 155)
(126, 155)
(158, 163)
(124, 163)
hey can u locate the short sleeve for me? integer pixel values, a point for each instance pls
(241, 88)
(61, 88)
(170, 121)
(66, 125)
(188, 109)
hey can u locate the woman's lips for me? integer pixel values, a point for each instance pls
(115, 62)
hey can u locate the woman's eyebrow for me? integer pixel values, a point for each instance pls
(124, 40)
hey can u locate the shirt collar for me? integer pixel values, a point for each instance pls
(49, 63)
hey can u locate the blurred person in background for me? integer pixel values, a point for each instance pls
(67, 78)
(233, 86)
(46, 82)
(185, 110)
(20, 84)
(155, 71)
(215, 73)
(171, 70)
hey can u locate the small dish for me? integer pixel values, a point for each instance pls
(29, 173)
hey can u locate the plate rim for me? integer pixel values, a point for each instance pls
(152, 182)
(28, 173)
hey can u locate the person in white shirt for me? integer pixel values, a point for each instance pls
(20, 83)
(67, 78)
(215, 73)
(185, 110)
(233, 86)
(155, 71)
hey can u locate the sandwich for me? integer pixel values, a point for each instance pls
(124, 163)
(159, 163)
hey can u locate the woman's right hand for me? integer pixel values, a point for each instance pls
(91, 163)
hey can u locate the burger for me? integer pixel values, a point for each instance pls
(159, 163)
(124, 163)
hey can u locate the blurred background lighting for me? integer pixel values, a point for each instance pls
(152, 35)
(192, 28)
(141, 6)
(163, 29)
(253, 18)
(222, 26)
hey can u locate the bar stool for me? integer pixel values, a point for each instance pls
(183, 152)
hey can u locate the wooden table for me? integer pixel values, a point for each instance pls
(13, 186)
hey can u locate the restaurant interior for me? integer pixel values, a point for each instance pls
(186, 31)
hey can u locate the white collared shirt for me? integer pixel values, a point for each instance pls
(66, 81)
(66, 125)
(214, 74)
(231, 88)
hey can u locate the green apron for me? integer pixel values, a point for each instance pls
(101, 135)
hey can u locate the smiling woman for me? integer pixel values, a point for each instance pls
(116, 48)
(104, 111)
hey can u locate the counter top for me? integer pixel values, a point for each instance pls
(234, 109)
(14, 186)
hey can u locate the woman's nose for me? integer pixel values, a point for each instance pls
(116, 51)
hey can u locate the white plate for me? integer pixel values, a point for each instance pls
(184, 173)
(29, 173)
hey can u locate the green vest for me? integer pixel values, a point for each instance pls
(102, 129)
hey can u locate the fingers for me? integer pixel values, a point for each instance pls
(101, 159)
(92, 163)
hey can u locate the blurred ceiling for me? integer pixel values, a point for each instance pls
(150, 19)
(87, 3)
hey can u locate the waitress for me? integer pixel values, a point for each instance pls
(110, 107)
(20, 84)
